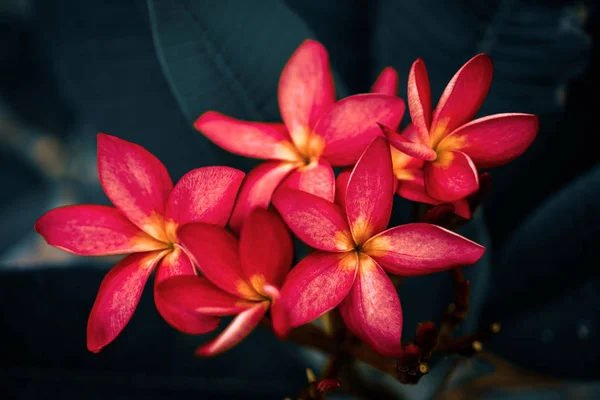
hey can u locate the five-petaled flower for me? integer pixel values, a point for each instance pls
(244, 276)
(408, 170)
(451, 147)
(144, 222)
(354, 250)
(317, 132)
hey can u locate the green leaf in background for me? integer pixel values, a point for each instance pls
(546, 285)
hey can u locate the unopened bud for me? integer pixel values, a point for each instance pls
(439, 214)
(410, 358)
(327, 384)
(426, 337)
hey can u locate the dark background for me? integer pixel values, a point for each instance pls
(144, 71)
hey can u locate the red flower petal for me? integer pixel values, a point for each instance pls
(317, 284)
(316, 221)
(316, 178)
(250, 139)
(462, 97)
(203, 195)
(279, 314)
(419, 100)
(341, 185)
(215, 252)
(136, 182)
(386, 82)
(93, 230)
(403, 161)
(419, 249)
(370, 192)
(413, 149)
(197, 296)
(451, 177)
(266, 249)
(177, 263)
(372, 309)
(351, 124)
(117, 298)
(493, 140)
(414, 190)
(306, 90)
(257, 189)
(236, 331)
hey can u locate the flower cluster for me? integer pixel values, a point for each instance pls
(218, 248)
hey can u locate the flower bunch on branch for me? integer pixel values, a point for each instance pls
(220, 241)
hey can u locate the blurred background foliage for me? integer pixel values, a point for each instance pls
(144, 70)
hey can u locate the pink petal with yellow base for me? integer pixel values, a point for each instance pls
(463, 97)
(236, 331)
(136, 182)
(306, 90)
(494, 140)
(341, 184)
(266, 248)
(316, 178)
(250, 139)
(94, 230)
(451, 177)
(214, 251)
(316, 221)
(351, 124)
(413, 149)
(257, 189)
(419, 100)
(372, 309)
(117, 298)
(203, 195)
(414, 190)
(370, 192)
(177, 263)
(419, 249)
(405, 165)
(317, 285)
(386, 82)
(196, 295)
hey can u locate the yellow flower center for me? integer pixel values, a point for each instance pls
(307, 146)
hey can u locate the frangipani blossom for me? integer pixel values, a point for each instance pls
(244, 276)
(354, 251)
(451, 147)
(144, 223)
(317, 132)
(408, 170)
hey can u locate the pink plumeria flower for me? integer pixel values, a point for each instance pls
(408, 170)
(242, 277)
(451, 147)
(354, 251)
(317, 132)
(144, 223)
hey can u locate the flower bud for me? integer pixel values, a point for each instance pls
(439, 214)
(327, 384)
(426, 337)
(409, 360)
